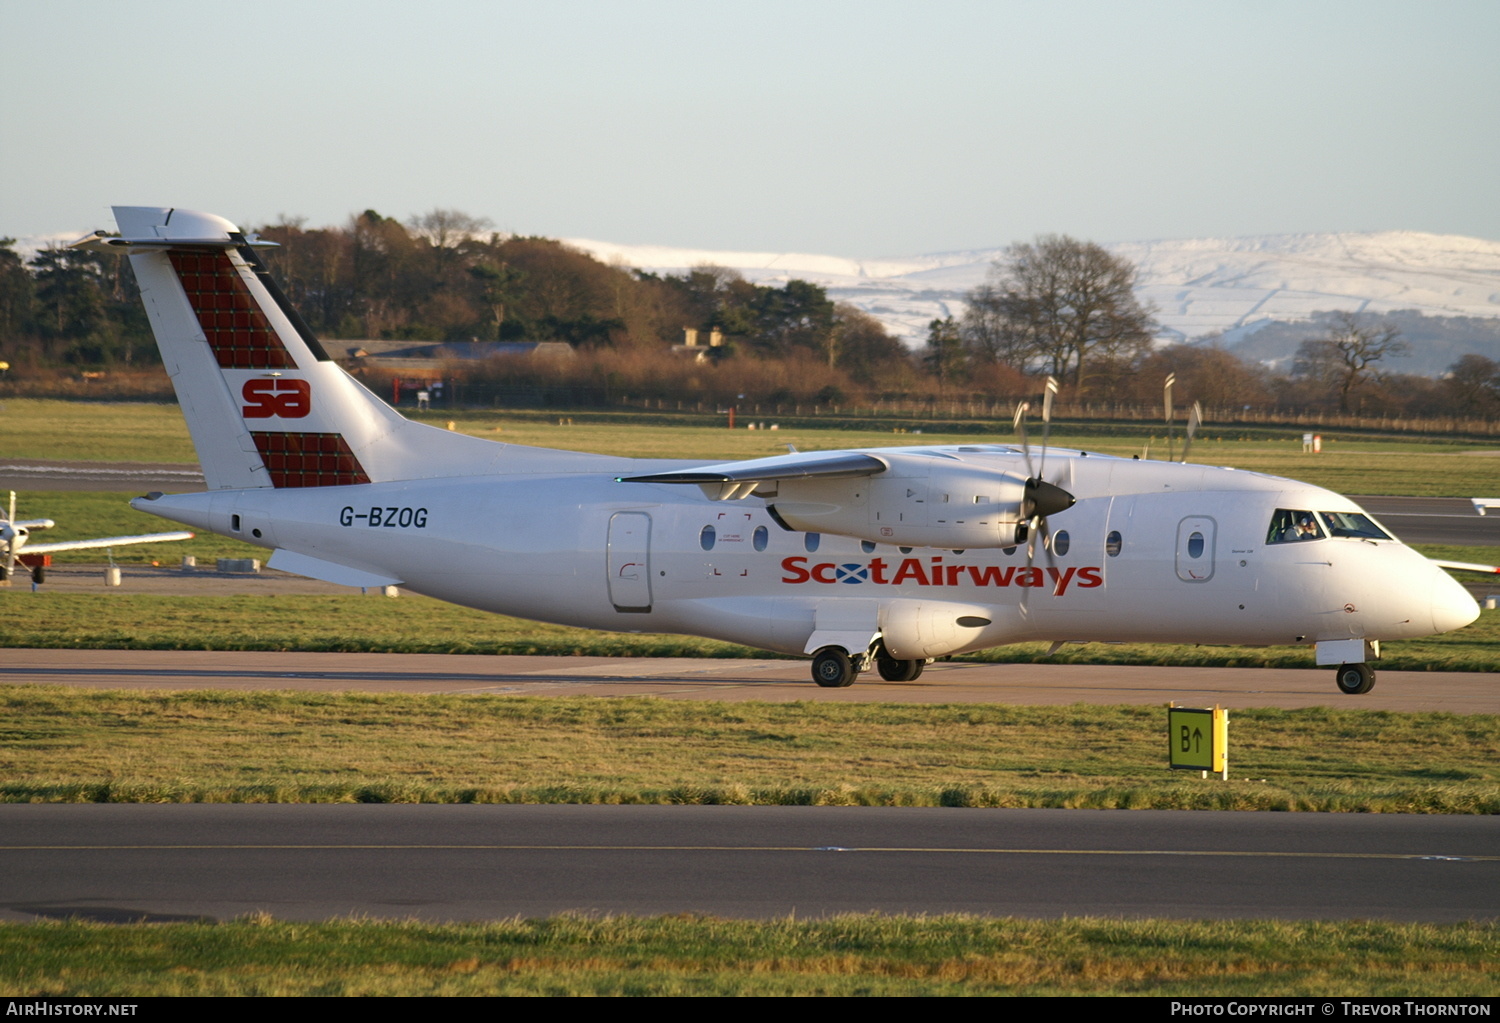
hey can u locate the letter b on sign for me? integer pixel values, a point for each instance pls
(276, 396)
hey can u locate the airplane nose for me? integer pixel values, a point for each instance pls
(1452, 607)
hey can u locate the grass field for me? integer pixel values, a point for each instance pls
(71, 745)
(846, 955)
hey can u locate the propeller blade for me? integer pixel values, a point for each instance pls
(1018, 423)
(1047, 394)
(1195, 420)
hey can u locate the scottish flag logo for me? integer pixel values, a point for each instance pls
(851, 574)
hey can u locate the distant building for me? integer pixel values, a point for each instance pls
(690, 348)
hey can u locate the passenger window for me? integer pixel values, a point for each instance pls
(1060, 543)
(1113, 543)
(811, 541)
(760, 537)
(706, 538)
(1195, 545)
(867, 546)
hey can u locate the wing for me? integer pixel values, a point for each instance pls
(1466, 566)
(728, 481)
(34, 524)
(108, 541)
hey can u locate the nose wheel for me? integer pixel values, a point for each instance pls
(1354, 679)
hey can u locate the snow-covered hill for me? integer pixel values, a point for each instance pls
(1199, 286)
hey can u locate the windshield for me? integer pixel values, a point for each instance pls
(1353, 524)
(1290, 525)
(1297, 525)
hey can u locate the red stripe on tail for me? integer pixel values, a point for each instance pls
(237, 330)
(308, 459)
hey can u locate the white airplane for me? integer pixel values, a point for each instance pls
(883, 557)
(15, 534)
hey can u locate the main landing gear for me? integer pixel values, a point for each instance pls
(833, 668)
(893, 670)
(1354, 679)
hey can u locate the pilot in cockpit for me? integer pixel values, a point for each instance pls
(1307, 529)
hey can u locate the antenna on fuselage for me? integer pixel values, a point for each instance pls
(1195, 420)
(1166, 404)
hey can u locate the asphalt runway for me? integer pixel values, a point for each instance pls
(124, 477)
(117, 863)
(771, 680)
(1450, 520)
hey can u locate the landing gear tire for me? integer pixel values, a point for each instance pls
(832, 669)
(893, 670)
(1354, 679)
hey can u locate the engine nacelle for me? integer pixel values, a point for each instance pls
(13, 538)
(915, 629)
(921, 501)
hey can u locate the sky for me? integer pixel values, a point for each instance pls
(863, 129)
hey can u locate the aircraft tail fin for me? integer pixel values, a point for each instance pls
(265, 404)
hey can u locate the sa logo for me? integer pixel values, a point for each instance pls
(276, 396)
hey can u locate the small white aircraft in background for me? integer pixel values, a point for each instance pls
(875, 557)
(16, 534)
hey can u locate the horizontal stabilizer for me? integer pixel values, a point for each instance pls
(328, 571)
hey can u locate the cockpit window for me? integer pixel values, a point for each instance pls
(1353, 524)
(1293, 526)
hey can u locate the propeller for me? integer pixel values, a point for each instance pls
(1042, 498)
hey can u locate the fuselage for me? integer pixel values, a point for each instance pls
(1150, 551)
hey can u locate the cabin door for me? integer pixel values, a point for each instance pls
(1195, 549)
(629, 562)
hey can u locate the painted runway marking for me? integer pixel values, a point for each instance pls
(754, 848)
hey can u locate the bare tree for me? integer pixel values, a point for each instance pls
(445, 231)
(1472, 385)
(1348, 354)
(1058, 303)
